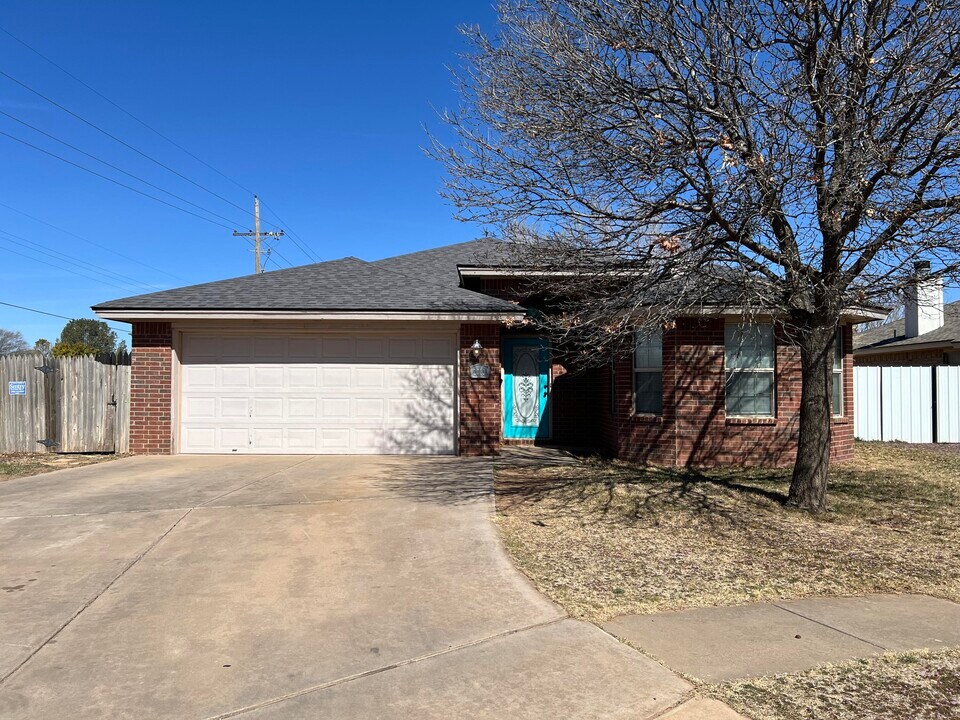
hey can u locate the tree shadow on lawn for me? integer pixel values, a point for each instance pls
(635, 493)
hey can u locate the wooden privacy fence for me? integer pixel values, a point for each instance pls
(78, 404)
(910, 404)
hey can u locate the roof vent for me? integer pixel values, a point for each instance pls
(924, 302)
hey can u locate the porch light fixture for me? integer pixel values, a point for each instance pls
(475, 350)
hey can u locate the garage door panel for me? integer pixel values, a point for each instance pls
(268, 408)
(303, 408)
(303, 378)
(235, 376)
(327, 394)
(199, 377)
(233, 408)
(337, 349)
(302, 439)
(336, 440)
(303, 349)
(270, 377)
(333, 378)
(335, 409)
(370, 348)
(267, 349)
(234, 437)
(370, 378)
(236, 348)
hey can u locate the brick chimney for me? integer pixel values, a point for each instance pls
(924, 307)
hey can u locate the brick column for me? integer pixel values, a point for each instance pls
(480, 400)
(151, 389)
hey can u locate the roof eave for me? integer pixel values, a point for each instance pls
(134, 314)
(908, 347)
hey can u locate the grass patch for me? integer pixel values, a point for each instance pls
(17, 465)
(920, 685)
(608, 538)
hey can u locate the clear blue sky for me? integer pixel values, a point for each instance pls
(318, 107)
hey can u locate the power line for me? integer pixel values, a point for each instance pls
(125, 111)
(91, 242)
(62, 317)
(110, 179)
(96, 268)
(71, 270)
(294, 236)
(110, 165)
(119, 140)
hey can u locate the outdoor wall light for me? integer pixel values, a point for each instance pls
(475, 350)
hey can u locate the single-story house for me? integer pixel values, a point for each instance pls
(927, 334)
(423, 353)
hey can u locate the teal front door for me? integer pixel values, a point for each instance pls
(526, 388)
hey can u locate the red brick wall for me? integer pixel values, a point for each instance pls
(480, 409)
(151, 389)
(693, 428)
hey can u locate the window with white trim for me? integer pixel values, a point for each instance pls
(749, 363)
(836, 397)
(648, 372)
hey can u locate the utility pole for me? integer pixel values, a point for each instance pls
(256, 234)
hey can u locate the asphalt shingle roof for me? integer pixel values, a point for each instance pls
(339, 285)
(892, 334)
(440, 264)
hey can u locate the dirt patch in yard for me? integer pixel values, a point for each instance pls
(608, 538)
(917, 685)
(17, 465)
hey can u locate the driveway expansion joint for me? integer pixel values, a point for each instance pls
(385, 668)
(63, 626)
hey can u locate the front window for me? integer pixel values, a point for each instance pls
(748, 359)
(648, 372)
(836, 398)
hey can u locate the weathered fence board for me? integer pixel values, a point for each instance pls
(23, 418)
(71, 404)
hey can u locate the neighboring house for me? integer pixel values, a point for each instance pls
(424, 353)
(927, 334)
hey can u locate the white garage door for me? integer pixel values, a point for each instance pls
(317, 394)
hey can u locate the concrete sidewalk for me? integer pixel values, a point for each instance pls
(733, 643)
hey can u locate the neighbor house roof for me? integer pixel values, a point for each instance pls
(342, 285)
(891, 337)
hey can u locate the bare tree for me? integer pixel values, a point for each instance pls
(12, 341)
(790, 157)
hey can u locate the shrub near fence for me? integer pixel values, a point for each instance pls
(78, 404)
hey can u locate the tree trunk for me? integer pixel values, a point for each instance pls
(808, 488)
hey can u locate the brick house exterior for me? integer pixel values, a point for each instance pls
(693, 428)
(589, 407)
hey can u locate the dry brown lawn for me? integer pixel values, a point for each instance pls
(607, 538)
(16, 465)
(920, 685)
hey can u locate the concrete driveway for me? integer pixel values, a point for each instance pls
(288, 587)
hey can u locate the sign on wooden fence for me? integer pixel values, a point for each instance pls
(64, 404)
(909, 404)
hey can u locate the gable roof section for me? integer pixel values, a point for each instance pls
(891, 336)
(347, 285)
(440, 264)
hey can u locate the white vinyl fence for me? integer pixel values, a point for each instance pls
(910, 404)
